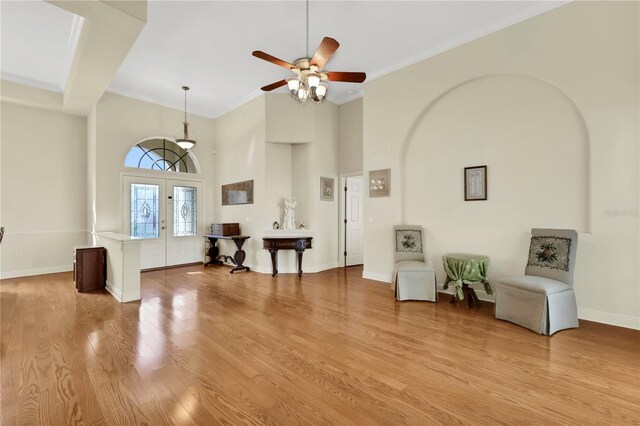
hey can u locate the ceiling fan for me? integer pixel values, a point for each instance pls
(310, 73)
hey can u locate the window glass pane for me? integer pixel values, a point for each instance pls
(133, 157)
(160, 154)
(145, 210)
(185, 217)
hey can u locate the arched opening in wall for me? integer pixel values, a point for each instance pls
(162, 154)
(535, 144)
(163, 203)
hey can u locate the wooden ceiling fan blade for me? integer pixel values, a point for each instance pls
(347, 77)
(273, 86)
(269, 58)
(326, 49)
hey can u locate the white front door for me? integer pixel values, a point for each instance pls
(354, 243)
(167, 215)
(184, 212)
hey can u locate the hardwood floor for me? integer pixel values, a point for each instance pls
(205, 347)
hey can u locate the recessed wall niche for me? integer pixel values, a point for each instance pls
(287, 175)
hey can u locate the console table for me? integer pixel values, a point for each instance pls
(238, 257)
(273, 244)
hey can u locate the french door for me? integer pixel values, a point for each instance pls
(168, 216)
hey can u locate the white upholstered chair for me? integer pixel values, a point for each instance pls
(413, 279)
(543, 299)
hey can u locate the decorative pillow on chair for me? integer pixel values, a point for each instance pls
(408, 241)
(550, 252)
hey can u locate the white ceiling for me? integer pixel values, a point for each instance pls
(38, 42)
(207, 44)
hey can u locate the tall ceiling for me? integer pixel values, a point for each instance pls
(38, 42)
(207, 44)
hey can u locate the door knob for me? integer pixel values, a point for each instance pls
(162, 227)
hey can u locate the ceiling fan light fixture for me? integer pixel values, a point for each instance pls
(293, 84)
(302, 94)
(321, 90)
(314, 80)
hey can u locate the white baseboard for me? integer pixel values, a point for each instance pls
(120, 296)
(324, 267)
(625, 321)
(594, 315)
(36, 271)
(385, 278)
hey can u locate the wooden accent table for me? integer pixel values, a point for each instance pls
(238, 257)
(273, 244)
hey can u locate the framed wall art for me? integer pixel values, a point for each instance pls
(326, 188)
(475, 183)
(237, 193)
(379, 183)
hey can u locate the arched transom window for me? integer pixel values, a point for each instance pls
(160, 154)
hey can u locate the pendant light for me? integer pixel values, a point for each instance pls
(185, 142)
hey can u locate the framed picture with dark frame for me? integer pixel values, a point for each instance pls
(237, 193)
(475, 183)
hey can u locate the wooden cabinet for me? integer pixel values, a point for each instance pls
(89, 268)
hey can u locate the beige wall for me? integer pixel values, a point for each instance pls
(350, 137)
(551, 106)
(230, 149)
(239, 143)
(287, 121)
(257, 141)
(91, 171)
(323, 215)
(278, 165)
(43, 189)
(120, 123)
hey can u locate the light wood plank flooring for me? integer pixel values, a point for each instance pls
(206, 347)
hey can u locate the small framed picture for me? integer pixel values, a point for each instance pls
(326, 188)
(379, 183)
(475, 183)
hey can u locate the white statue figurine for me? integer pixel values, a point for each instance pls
(289, 221)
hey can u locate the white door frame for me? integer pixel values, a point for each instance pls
(165, 177)
(341, 216)
(158, 174)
